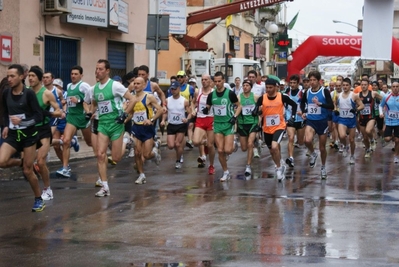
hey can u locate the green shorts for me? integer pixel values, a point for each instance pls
(111, 129)
(225, 128)
(79, 121)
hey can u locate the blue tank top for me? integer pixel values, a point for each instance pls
(148, 89)
(316, 113)
(54, 91)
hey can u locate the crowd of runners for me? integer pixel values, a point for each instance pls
(122, 115)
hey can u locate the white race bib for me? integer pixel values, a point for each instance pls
(272, 120)
(175, 118)
(15, 127)
(345, 113)
(104, 107)
(393, 114)
(366, 110)
(314, 109)
(139, 117)
(70, 103)
(247, 110)
(219, 110)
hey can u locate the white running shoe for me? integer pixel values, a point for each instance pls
(396, 159)
(312, 160)
(47, 194)
(279, 174)
(141, 179)
(181, 159)
(103, 192)
(157, 157)
(352, 160)
(226, 176)
(345, 152)
(99, 183)
(323, 173)
(131, 153)
(178, 165)
(256, 153)
(248, 170)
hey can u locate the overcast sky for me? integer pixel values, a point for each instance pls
(315, 17)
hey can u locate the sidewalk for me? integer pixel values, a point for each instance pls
(84, 152)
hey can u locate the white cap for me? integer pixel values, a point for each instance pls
(58, 82)
(192, 80)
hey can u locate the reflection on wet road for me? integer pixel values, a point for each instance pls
(188, 218)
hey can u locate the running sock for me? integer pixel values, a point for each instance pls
(105, 185)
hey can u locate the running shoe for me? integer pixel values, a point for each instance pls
(75, 144)
(352, 160)
(312, 160)
(323, 173)
(64, 172)
(39, 205)
(110, 161)
(235, 144)
(280, 173)
(178, 165)
(201, 161)
(345, 152)
(290, 162)
(248, 170)
(131, 153)
(373, 145)
(396, 159)
(99, 183)
(189, 144)
(157, 155)
(181, 159)
(341, 149)
(226, 176)
(211, 170)
(47, 194)
(103, 192)
(141, 179)
(368, 153)
(256, 153)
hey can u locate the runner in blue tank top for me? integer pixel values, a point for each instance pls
(315, 105)
(389, 108)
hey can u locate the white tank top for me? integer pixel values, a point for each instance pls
(176, 110)
(201, 104)
(345, 105)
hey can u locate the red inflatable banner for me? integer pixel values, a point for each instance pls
(339, 46)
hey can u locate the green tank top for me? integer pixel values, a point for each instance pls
(43, 106)
(222, 107)
(109, 106)
(75, 108)
(247, 104)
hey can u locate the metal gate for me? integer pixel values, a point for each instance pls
(117, 58)
(60, 55)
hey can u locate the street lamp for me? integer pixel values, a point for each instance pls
(343, 33)
(347, 23)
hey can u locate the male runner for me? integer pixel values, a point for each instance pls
(222, 101)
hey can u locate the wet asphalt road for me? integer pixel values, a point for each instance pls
(188, 218)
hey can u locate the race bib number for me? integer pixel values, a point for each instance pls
(314, 109)
(272, 120)
(247, 110)
(393, 114)
(15, 127)
(70, 103)
(366, 110)
(345, 113)
(219, 110)
(104, 107)
(139, 117)
(175, 118)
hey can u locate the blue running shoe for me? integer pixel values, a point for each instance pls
(75, 144)
(38, 205)
(64, 172)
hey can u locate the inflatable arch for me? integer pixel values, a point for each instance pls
(339, 46)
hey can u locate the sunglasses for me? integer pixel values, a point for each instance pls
(173, 88)
(180, 76)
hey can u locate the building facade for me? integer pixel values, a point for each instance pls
(57, 35)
